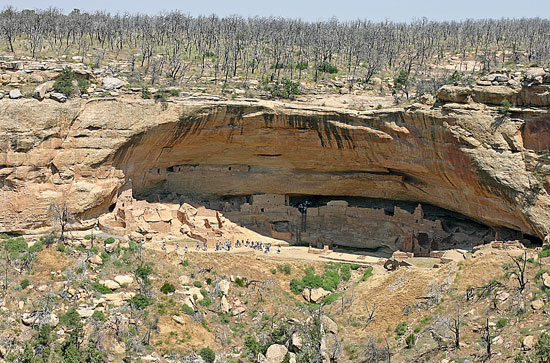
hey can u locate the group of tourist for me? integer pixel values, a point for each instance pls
(220, 246)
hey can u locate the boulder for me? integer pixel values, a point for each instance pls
(113, 285)
(118, 298)
(85, 312)
(498, 340)
(296, 342)
(184, 280)
(95, 260)
(31, 319)
(1, 95)
(528, 342)
(111, 247)
(315, 295)
(111, 83)
(537, 304)
(224, 286)
(458, 94)
(276, 353)
(546, 281)
(15, 94)
(59, 97)
(41, 90)
(329, 325)
(178, 319)
(224, 305)
(124, 279)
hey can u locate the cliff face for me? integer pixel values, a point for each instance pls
(462, 157)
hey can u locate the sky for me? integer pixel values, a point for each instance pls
(377, 10)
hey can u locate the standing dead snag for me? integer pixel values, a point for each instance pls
(521, 264)
(454, 326)
(61, 216)
(487, 338)
(370, 314)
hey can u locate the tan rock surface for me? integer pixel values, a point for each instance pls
(462, 157)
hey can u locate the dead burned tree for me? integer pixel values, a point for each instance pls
(371, 313)
(61, 216)
(487, 338)
(521, 264)
(453, 324)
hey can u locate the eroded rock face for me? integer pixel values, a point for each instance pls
(465, 158)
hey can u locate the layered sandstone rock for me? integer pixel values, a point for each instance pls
(463, 157)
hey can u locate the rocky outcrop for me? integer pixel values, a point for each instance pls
(463, 157)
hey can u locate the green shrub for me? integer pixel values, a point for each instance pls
(102, 289)
(326, 67)
(284, 88)
(241, 281)
(15, 246)
(542, 348)
(208, 355)
(143, 271)
(185, 263)
(545, 252)
(60, 247)
(296, 286)
(109, 240)
(327, 300)
(197, 284)
(505, 107)
(64, 82)
(187, 310)
(501, 323)
(367, 274)
(410, 340)
(273, 271)
(208, 281)
(401, 328)
(71, 319)
(145, 93)
(83, 85)
(140, 301)
(286, 269)
(301, 66)
(37, 247)
(167, 288)
(98, 315)
(345, 272)
(24, 284)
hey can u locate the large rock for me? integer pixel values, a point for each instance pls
(59, 97)
(314, 295)
(224, 305)
(85, 312)
(124, 279)
(329, 325)
(224, 286)
(41, 90)
(113, 285)
(34, 318)
(276, 353)
(111, 83)
(15, 94)
(449, 93)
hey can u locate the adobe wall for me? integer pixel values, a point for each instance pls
(340, 224)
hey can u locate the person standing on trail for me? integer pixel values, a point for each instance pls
(177, 245)
(186, 247)
(164, 246)
(198, 245)
(279, 249)
(204, 246)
